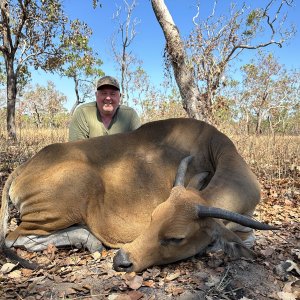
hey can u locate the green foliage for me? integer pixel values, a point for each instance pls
(31, 35)
(2, 73)
(78, 57)
(254, 17)
(223, 110)
(80, 62)
(23, 79)
(35, 31)
(248, 33)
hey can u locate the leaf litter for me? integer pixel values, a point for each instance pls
(77, 274)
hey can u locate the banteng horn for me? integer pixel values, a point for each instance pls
(181, 171)
(215, 212)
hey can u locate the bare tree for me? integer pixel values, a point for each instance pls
(123, 56)
(200, 64)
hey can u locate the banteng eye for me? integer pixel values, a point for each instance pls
(171, 241)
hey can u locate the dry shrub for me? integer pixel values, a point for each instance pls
(275, 160)
(270, 156)
(160, 110)
(30, 141)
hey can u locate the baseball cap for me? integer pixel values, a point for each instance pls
(108, 80)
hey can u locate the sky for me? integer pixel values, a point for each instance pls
(149, 42)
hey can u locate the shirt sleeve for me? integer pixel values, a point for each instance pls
(135, 120)
(78, 128)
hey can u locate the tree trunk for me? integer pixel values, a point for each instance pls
(193, 102)
(247, 123)
(11, 100)
(124, 90)
(11, 78)
(38, 119)
(271, 126)
(77, 102)
(258, 123)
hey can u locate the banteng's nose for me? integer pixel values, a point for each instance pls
(122, 262)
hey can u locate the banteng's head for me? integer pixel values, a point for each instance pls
(183, 226)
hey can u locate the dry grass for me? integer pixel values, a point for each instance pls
(273, 157)
(270, 157)
(30, 141)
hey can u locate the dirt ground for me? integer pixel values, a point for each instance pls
(77, 274)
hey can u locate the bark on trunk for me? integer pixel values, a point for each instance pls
(11, 100)
(123, 72)
(77, 102)
(258, 123)
(193, 102)
(11, 78)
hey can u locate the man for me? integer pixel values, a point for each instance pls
(105, 115)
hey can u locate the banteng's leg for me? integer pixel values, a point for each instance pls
(246, 234)
(76, 236)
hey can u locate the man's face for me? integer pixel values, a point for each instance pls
(108, 100)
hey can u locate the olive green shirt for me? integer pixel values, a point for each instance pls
(86, 122)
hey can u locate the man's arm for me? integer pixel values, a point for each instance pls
(78, 128)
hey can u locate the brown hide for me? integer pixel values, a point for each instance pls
(113, 183)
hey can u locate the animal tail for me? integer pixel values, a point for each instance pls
(4, 221)
(4, 207)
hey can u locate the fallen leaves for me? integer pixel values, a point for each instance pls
(8, 267)
(132, 295)
(173, 276)
(268, 251)
(79, 274)
(133, 281)
(96, 255)
(15, 274)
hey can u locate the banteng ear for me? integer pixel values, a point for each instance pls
(226, 240)
(197, 182)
